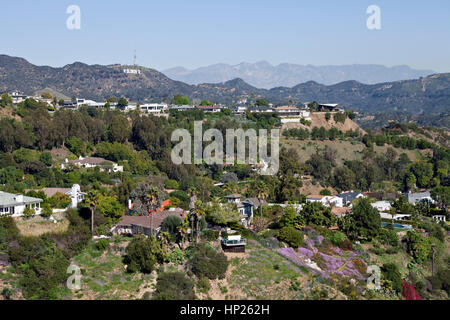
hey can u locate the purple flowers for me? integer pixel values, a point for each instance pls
(333, 261)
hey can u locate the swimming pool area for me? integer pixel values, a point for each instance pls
(397, 225)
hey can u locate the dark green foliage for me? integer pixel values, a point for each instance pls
(391, 272)
(389, 237)
(418, 246)
(42, 266)
(210, 235)
(292, 236)
(102, 244)
(171, 224)
(207, 262)
(365, 220)
(143, 253)
(174, 286)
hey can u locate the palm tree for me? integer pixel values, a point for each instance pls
(183, 229)
(199, 213)
(262, 194)
(152, 200)
(92, 200)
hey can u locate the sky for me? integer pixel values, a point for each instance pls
(195, 33)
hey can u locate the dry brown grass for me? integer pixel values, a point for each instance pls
(37, 226)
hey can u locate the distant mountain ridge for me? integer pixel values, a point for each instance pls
(426, 96)
(264, 75)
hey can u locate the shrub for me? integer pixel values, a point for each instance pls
(291, 236)
(171, 184)
(7, 293)
(418, 246)
(336, 238)
(102, 244)
(207, 262)
(176, 256)
(210, 235)
(409, 292)
(171, 224)
(388, 237)
(174, 286)
(203, 284)
(143, 253)
(391, 272)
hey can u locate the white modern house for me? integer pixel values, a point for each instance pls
(14, 204)
(153, 108)
(327, 201)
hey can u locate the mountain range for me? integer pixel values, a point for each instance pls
(428, 96)
(264, 75)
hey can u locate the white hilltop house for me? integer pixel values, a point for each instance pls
(15, 204)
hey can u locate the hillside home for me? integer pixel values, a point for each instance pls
(382, 206)
(153, 108)
(185, 107)
(212, 109)
(134, 225)
(259, 109)
(15, 204)
(240, 109)
(17, 97)
(330, 107)
(341, 212)
(350, 196)
(75, 194)
(413, 198)
(92, 162)
(245, 208)
(327, 201)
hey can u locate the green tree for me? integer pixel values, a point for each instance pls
(111, 208)
(143, 253)
(292, 236)
(123, 102)
(367, 221)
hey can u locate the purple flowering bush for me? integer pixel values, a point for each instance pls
(319, 257)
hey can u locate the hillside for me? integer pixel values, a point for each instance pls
(427, 97)
(318, 120)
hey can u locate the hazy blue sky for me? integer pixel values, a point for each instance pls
(193, 33)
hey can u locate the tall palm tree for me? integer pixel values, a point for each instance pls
(262, 194)
(152, 200)
(183, 229)
(92, 200)
(199, 213)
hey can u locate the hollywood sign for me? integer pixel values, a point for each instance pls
(132, 71)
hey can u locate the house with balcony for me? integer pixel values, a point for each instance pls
(14, 204)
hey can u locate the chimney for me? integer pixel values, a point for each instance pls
(129, 204)
(18, 198)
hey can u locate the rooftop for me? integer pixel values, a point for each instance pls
(158, 218)
(11, 199)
